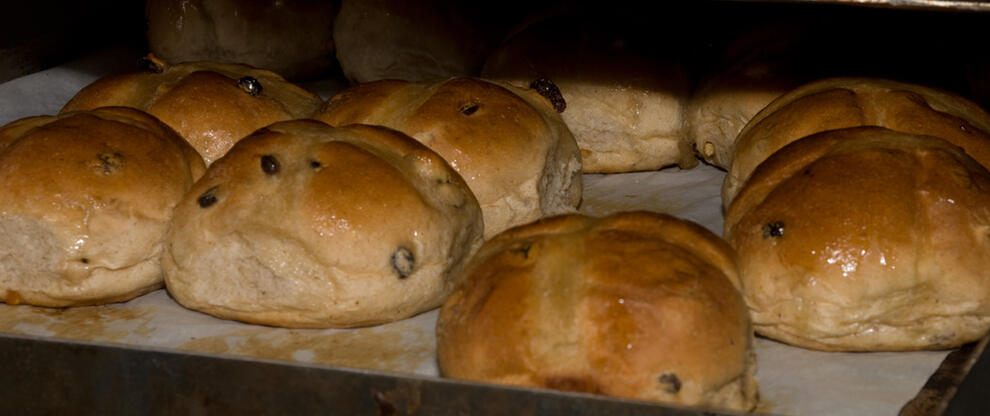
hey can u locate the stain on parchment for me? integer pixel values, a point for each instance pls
(110, 323)
(396, 347)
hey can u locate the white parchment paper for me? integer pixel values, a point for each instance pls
(793, 381)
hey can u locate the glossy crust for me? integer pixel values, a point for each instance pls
(866, 239)
(636, 305)
(85, 204)
(511, 147)
(202, 101)
(836, 103)
(291, 37)
(625, 103)
(305, 225)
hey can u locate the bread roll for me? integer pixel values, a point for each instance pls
(866, 239)
(308, 226)
(779, 48)
(509, 144)
(635, 305)
(626, 97)
(836, 103)
(211, 105)
(85, 203)
(293, 38)
(414, 40)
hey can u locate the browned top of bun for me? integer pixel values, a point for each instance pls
(212, 105)
(38, 156)
(836, 103)
(637, 305)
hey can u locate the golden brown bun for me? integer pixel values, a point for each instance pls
(836, 103)
(866, 239)
(291, 37)
(625, 103)
(305, 225)
(414, 40)
(85, 203)
(636, 305)
(203, 101)
(511, 147)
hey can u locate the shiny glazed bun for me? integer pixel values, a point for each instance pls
(866, 239)
(309, 226)
(636, 305)
(85, 204)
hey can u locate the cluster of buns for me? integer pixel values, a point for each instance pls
(857, 209)
(284, 225)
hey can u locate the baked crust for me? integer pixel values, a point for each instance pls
(308, 226)
(636, 305)
(86, 201)
(212, 105)
(866, 239)
(837, 103)
(508, 144)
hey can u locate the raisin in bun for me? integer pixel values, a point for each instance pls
(508, 143)
(211, 105)
(636, 305)
(625, 94)
(836, 103)
(85, 204)
(306, 225)
(291, 37)
(866, 239)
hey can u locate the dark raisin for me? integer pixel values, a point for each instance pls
(469, 108)
(671, 383)
(84, 260)
(773, 229)
(403, 262)
(269, 164)
(523, 251)
(315, 165)
(250, 85)
(548, 89)
(151, 64)
(208, 198)
(110, 161)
